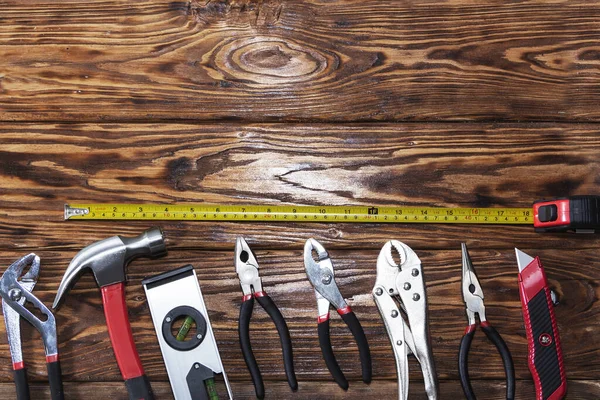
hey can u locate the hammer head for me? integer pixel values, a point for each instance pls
(108, 258)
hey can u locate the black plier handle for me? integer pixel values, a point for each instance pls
(361, 341)
(284, 336)
(463, 359)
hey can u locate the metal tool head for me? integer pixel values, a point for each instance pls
(523, 259)
(108, 258)
(246, 267)
(16, 291)
(471, 289)
(388, 268)
(321, 275)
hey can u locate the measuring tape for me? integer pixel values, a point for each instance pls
(278, 213)
(575, 213)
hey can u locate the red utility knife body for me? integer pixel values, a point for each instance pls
(544, 353)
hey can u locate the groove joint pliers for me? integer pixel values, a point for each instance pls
(15, 291)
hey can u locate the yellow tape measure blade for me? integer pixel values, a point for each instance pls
(281, 213)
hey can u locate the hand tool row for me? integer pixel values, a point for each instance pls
(192, 363)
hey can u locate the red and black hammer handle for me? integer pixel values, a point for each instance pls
(361, 341)
(545, 357)
(119, 330)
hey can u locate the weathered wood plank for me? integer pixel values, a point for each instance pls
(87, 356)
(42, 166)
(299, 60)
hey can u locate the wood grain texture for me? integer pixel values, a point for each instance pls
(299, 60)
(477, 165)
(45, 165)
(308, 102)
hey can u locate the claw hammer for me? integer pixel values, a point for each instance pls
(107, 259)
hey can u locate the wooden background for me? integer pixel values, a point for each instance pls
(445, 103)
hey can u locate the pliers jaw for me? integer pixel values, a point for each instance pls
(11, 317)
(16, 290)
(388, 269)
(246, 267)
(471, 289)
(321, 275)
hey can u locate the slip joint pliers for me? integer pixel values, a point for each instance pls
(321, 275)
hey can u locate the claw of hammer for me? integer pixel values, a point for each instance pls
(107, 260)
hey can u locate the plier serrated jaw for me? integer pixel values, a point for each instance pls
(321, 275)
(471, 289)
(247, 267)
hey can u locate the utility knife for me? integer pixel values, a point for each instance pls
(544, 353)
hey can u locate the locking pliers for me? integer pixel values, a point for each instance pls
(403, 282)
(15, 291)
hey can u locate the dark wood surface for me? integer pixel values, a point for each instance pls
(436, 103)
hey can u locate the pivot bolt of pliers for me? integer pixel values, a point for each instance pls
(326, 279)
(407, 286)
(415, 272)
(379, 291)
(416, 297)
(15, 294)
(394, 313)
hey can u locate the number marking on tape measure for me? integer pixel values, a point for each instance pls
(278, 213)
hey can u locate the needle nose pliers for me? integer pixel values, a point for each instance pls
(247, 269)
(473, 298)
(321, 275)
(16, 291)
